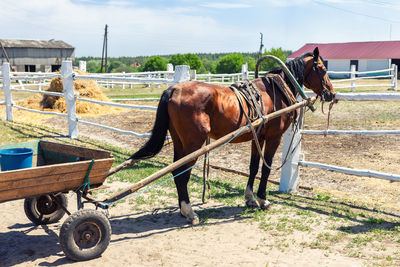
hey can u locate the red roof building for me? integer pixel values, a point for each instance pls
(366, 56)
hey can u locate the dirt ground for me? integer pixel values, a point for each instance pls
(141, 238)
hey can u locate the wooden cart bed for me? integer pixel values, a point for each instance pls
(56, 168)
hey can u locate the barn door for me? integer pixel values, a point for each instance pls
(354, 62)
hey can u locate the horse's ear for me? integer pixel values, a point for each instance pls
(316, 52)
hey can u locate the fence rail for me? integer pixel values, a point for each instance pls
(181, 74)
(290, 168)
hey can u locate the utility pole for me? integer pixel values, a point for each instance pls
(104, 53)
(261, 45)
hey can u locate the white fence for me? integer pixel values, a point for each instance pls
(129, 79)
(290, 170)
(181, 74)
(364, 75)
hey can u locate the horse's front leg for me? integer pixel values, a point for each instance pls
(254, 165)
(269, 151)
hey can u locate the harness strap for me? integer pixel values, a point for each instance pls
(86, 182)
(255, 136)
(252, 97)
(206, 173)
(249, 97)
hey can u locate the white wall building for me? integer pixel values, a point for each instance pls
(366, 56)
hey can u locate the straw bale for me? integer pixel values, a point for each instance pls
(86, 89)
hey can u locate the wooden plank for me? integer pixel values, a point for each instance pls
(54, 169)
(56, 178)
(72, 150)
(46, 189)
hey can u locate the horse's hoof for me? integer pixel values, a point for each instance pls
(252, 204)
(264, 204)
(194, 221)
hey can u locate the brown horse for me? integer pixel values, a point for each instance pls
(193, 111)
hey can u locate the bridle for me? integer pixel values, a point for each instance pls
(325, 90)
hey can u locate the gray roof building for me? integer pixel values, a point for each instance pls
(35, 55)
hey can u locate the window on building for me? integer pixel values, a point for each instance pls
(30, 68)
(55, 68)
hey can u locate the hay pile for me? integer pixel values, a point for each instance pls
(86, 89)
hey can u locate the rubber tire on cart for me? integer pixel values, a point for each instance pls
(85, 235)
(43, 210)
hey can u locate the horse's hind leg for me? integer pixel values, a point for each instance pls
(271, 146)
(254, 165)
(182, 178)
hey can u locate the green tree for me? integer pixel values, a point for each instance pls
(92, 65)
(251, 62)
(269, 64)
(154, 63)
(125, 69)
(193, 61)
(231, 63)
(177, 59)
(114, 65)
(209, 65)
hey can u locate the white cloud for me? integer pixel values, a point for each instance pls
(223, 5)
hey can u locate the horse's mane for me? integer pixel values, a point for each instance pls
(296, 67)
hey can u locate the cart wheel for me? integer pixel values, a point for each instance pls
(85, 235)
(43, 210)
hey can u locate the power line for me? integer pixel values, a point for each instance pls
(356, 13)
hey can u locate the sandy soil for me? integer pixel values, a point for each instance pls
(141, 238)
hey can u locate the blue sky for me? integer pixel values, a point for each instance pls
(148, 27)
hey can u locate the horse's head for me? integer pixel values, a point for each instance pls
(316, 77)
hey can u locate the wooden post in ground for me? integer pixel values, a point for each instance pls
(7, 90)
(394, 77)
(245, 72)
(181, 74)
(70, 99)
(291, 148)
(353, 78)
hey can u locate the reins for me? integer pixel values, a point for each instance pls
(329, 114)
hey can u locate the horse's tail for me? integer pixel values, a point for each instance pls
(159, 132)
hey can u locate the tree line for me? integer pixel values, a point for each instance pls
(201, 62)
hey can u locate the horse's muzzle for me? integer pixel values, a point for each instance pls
(327, 95)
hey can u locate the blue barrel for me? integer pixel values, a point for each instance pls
(16, 158)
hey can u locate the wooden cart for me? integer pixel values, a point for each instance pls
(57, 169)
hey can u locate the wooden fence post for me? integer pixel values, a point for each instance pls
(353, 78)
(123, 82)
(7, 90)
(209, 77)
(193, 75)
(245, 71)
(131, 84)
(290, 157)
(181, 73)
(70, 99)
(394, 78)
(82, 65)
